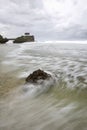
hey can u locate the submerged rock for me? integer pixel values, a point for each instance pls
(81, 78)
(38, 75)
(39, 82)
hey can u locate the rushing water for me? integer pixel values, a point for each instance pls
(61, 107)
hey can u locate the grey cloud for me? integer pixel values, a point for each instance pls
(74, 32)
(18, 16)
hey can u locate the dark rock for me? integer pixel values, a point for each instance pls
(3, 40)
(38, 75)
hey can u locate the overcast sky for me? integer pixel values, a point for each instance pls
(46, 19)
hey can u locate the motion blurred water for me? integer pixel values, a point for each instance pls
(61, 107)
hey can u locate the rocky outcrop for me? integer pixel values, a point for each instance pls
(3, 40)
(37, 76)
(39, 82)
(23, 39)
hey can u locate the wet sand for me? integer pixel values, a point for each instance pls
(8, 74)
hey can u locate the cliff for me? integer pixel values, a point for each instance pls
(23, 39)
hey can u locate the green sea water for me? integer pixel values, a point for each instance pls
(61, 107)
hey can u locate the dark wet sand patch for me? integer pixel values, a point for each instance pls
(8, 83)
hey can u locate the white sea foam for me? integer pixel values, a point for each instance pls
(41, 86)
(62, 59)
(59, 109)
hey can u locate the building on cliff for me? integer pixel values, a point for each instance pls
(24, 38)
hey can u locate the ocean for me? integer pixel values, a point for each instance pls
(63, 106)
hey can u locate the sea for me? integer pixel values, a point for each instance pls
(58, 106)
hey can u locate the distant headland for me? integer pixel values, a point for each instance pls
(24, 38)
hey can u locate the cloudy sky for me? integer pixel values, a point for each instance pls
(46, 19)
